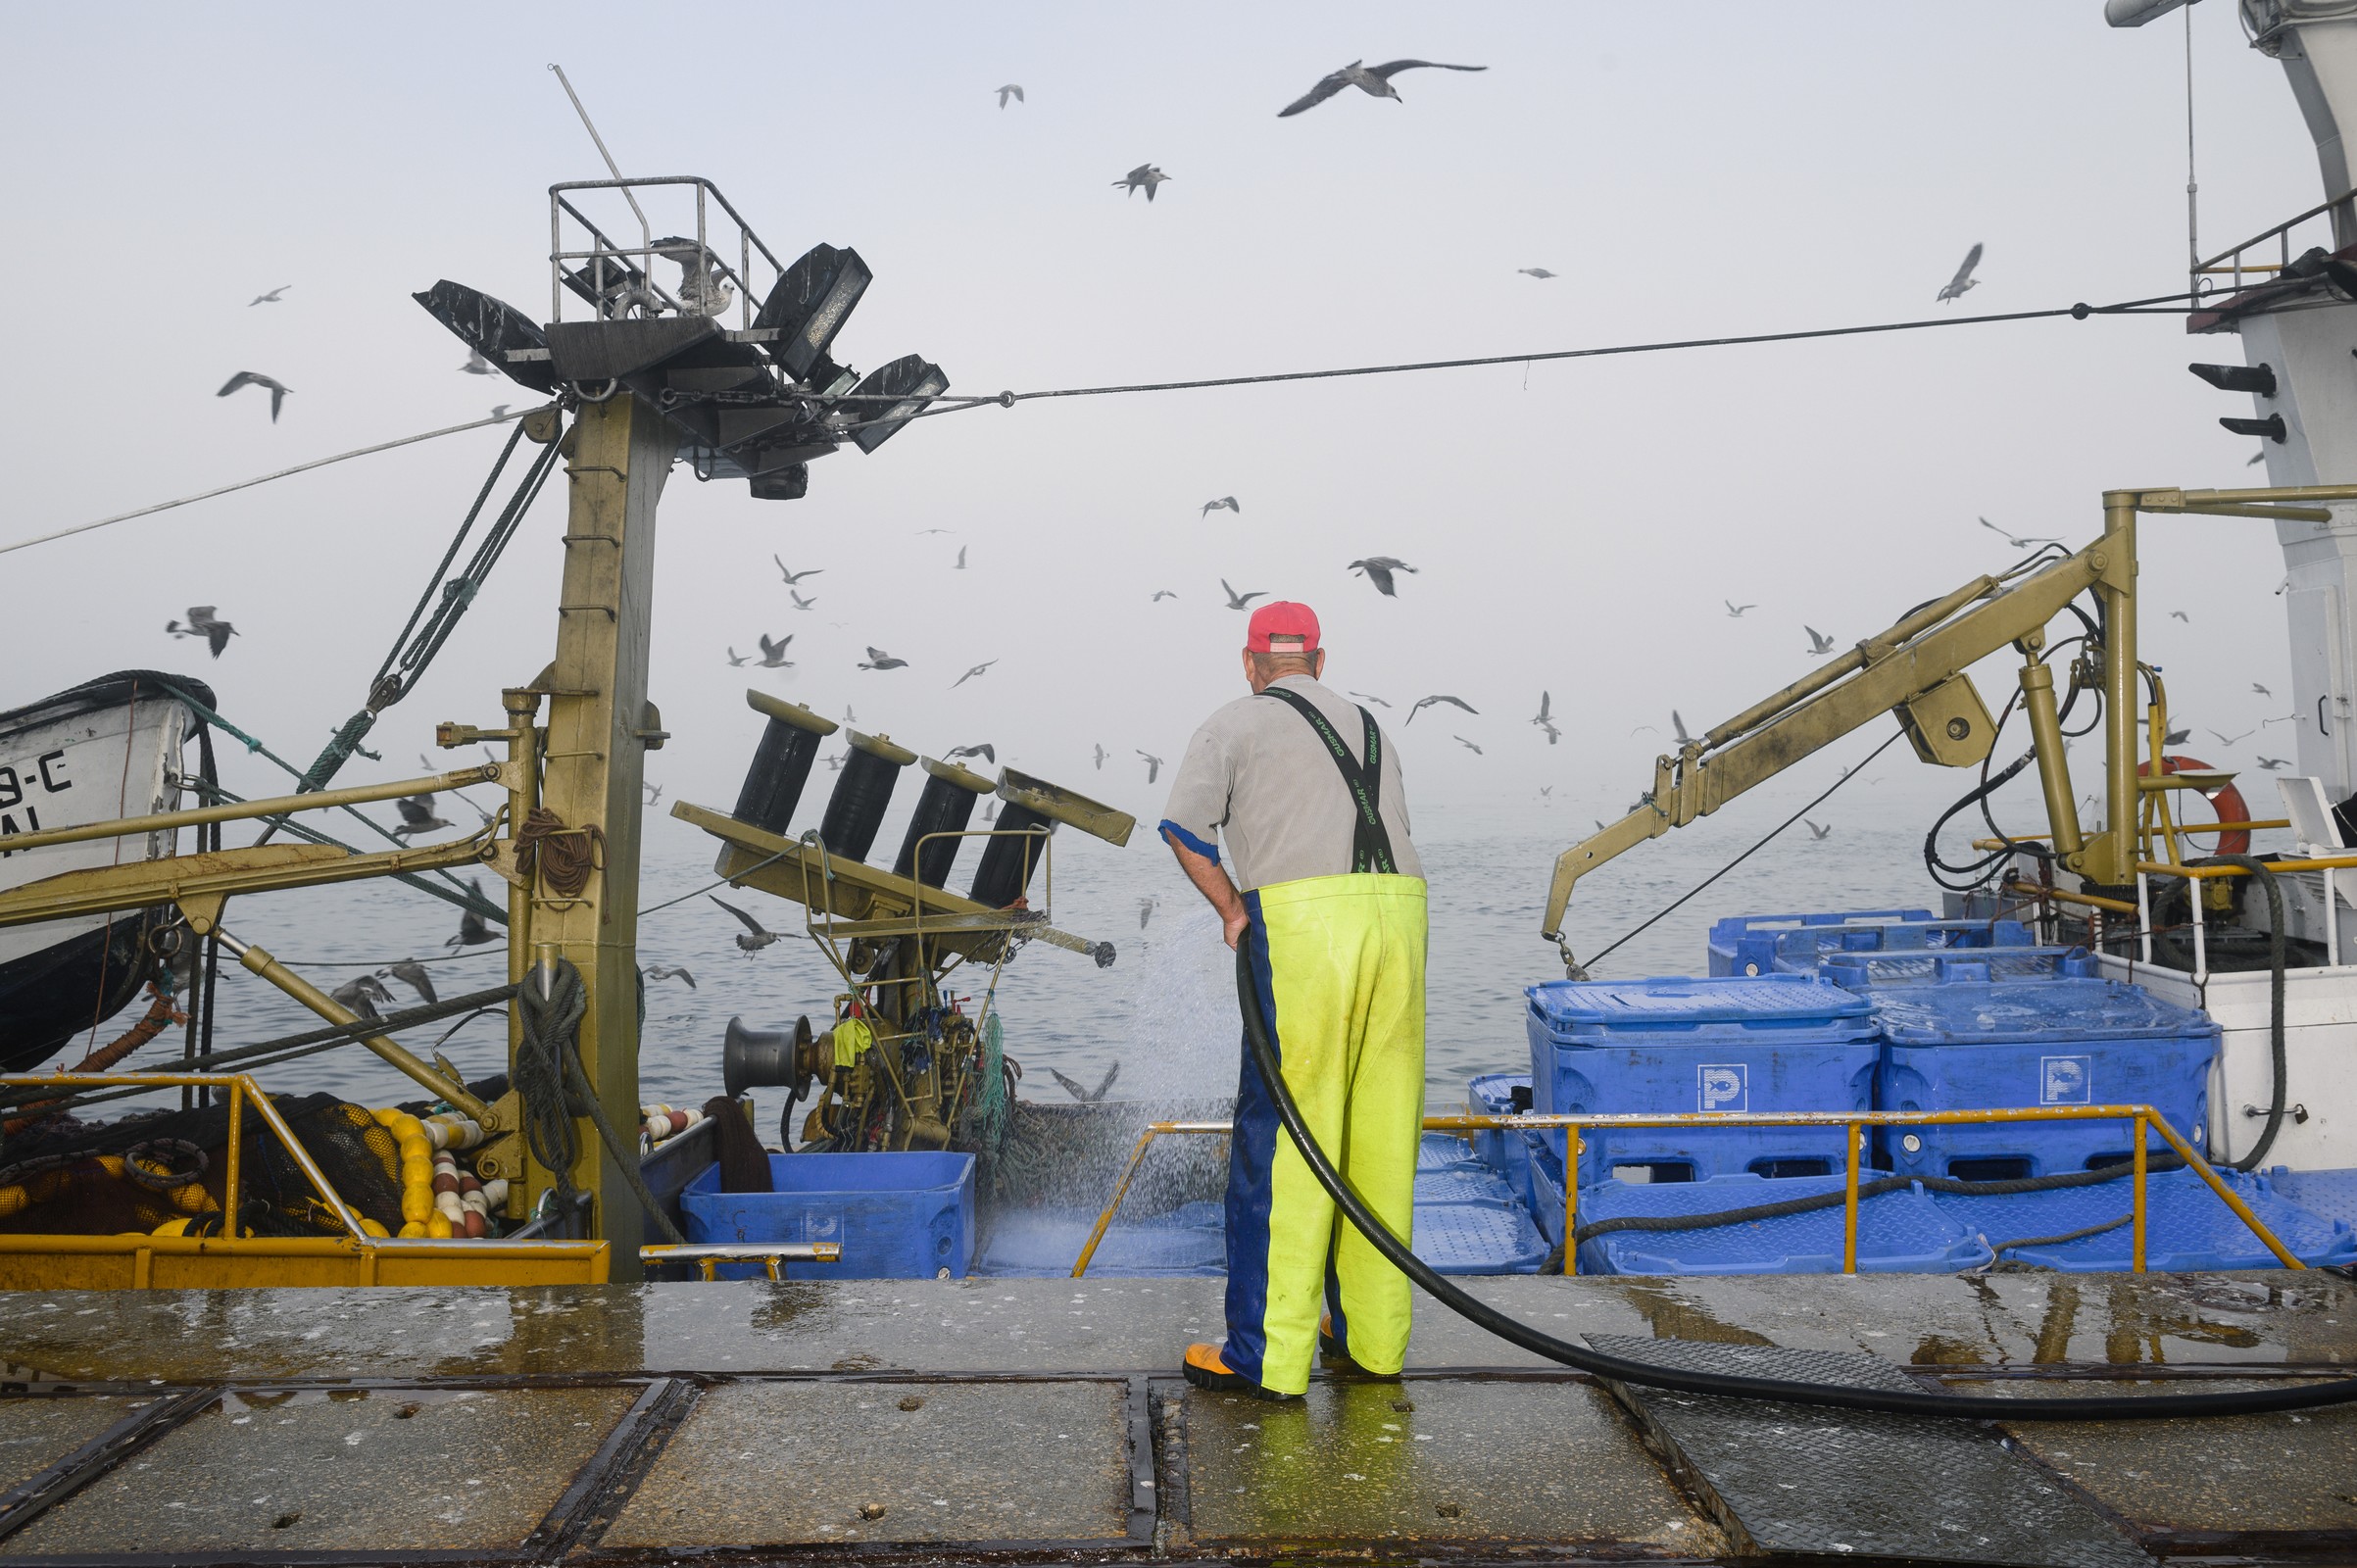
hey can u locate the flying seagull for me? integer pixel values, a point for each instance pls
(1816, 832)
(473, 932)
(1964, 279)
(1370, 697)
(1237, 600)
(1223, 503)
(2256, 458)
(793, 577)
(1143, 177)
(499, 411)
(1678, 724)
(418, 815)
(1144, 911)
(961, 567)
(1735, 612)
(753, 938)
(2018, 544)
(1160, 594)
(877, 659)
(477, 365)
(1819, 643)
(971, 673)
(411, 973)
(271, 298)
(655, 971)
(921, 533)
(361, 996)
(244, 378)
(1545, 722)
(1010, 90)
(2254, 685)
(1102, 755)
(1373, 80)
(1085, 1095)
(2271, 764)
(1534, 271)
(1378, 570)
(736, 659)
(654, 792)
(2230, 740)
(1422, 703)
(2179, 615)
(2177, 737)
(800, 603)
(203, 623)
(1153, 767)
(1468, 745)
(773, 653)
(987, 752)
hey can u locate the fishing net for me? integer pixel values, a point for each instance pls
(77, 1179)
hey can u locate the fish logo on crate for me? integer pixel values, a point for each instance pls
(2066, 1081)
(1723, 1086)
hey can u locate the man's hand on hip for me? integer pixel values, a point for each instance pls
(1214, 884)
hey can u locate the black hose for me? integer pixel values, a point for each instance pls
(2109, 1407)
(2274, 996)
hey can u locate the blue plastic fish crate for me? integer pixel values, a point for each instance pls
(2331, 1194)
(2187, 1227)
(1802, 951)
(1898, 1233)
(1964, 1044)
(1746, 944)
(1493, 1238)
(1864, 971)
(1045, 1243)
(1502, 1150)
(1468, 1220)
(1766, 1043)
(898, 1216)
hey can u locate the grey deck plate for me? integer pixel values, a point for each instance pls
(1520, 1462)
(2294, 1471)
(792, 1464)
(1802, 1479)
(36, 1433)
(355, 1472)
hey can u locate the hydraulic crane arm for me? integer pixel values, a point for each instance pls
(1915, 668)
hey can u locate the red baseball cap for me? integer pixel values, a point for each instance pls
(1286, 619)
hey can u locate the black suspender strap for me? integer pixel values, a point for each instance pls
(1370, 845)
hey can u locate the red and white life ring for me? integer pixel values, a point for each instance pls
(2227, 801)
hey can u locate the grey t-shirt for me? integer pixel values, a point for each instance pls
(1257, 775)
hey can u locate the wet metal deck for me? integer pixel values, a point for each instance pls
(1040, 1418)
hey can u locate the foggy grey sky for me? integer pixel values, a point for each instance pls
(1702, 169)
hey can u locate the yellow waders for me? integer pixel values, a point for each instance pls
(1339, 968)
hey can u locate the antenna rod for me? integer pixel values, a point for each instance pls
(644, 232)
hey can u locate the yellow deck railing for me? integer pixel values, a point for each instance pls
(2141, 1116)
(54, 1261)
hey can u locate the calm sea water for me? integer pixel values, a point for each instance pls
(1165, 1011)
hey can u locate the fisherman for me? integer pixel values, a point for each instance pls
(1328, 900)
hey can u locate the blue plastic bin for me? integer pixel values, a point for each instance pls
(2187, 1227)
(1766, 1043)
(898, 1216)
(1746, 944)
(1468, 1219)
(1963, 1044)
(1503, 1150)
(1898, 1233)
(2329, 1193)
(1864, 971)
(1802, 951)
(1043, 1244)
